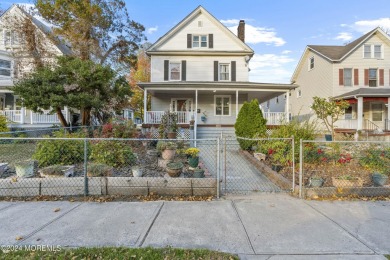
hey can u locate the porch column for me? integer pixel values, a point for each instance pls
(360, 113)
(196, 115)
(67, 116)
(287, 106)
(22, 114)
(388, 114)
(145, 104)
(31, 117)
(236, 103)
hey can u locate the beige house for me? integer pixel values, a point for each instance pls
(201, 68)
(358, 72)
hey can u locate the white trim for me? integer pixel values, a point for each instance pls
(229, 71)
(230, 104)
(221, 89)
(352, 78)
(169, 70)
(189, 109)
(200, 41)
(372, 51)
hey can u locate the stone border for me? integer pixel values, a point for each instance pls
(276, 178)
(108, 186)
(324, 192)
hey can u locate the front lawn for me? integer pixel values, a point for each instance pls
(119, 253)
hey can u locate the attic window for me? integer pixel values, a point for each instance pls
(11, 38)
(311, 63)
(200, 23)
(199, 41)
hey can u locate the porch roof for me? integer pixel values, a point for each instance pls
(365, 92)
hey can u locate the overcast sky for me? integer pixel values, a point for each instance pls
(277, 30)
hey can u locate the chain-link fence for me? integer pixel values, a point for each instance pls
(107, 166)
(344, 169)
(257, 165)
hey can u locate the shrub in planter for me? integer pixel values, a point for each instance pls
(167, 149)
(25, 169)
(198, 173)
(193, 158)
(174, 168)
(56, 171)
(250, 123)
(113, 153)
(99, 170)
(379, 179)
(64, 152)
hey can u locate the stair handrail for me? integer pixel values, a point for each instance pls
(371, 126)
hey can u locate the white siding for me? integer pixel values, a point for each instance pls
(199, 68)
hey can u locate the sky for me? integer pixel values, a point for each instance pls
(278, 30)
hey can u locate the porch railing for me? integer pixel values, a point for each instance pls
(275, 118)
(12, 115)
(346, 124)
(17, 116)
(45, 117)
(154, 117)
(370, 126)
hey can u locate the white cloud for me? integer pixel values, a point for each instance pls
(255, 34)
(344, 36)
(271, 68)
(364, 26)
(286, 52)
(152, 30)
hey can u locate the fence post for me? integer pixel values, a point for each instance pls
(85, 167)
(218, 164)
(300, 167)
(293, 163)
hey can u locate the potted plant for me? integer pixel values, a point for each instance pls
(379, 179)
(347, 181)
(203, 117)
(167, 149)
(25, 169)
(99, 170)
(316, 181)
(174, 169)
(55, 171)
(168, 125)
(198, 173)
(193, 158)
(136, 170)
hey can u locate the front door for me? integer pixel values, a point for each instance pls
(181, 104)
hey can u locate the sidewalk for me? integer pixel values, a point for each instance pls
(267, 226)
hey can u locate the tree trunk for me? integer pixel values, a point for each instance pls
(86, 118)
(61, 117)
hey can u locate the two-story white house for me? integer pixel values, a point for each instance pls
(15, 62)
(358, 72)
(200, 68)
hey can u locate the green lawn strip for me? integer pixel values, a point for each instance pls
(116, 253)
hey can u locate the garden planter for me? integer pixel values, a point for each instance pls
(168, 154)
(174, 169)
(351, 182)
(379, 179)
(316, 182)
(276, 167)
(171, 135)
(193, 161)
(137, 171)
(198, 173)
(25, 169)
(328, 138)
(57, 171)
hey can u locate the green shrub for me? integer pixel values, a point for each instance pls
(250, 123)
(3, 124)
(376, 160)
(63, 152)
(113, 153)
(99, 170)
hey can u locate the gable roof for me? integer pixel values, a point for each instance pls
(187, 19)
(41, 24)
(337, 53)
(365, 92)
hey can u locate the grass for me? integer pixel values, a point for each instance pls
(14, 152)
(118, 253)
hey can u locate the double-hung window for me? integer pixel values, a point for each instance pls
(348, 77)
(199, 41)
(372, 78)
(5, 68)
(224, 71)
(377, 51)
(367, 51)
(222, 105)
(311, 63)
(174, 70)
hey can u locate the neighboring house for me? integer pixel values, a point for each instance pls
(358, 72)
(200, 67)
(14, 63)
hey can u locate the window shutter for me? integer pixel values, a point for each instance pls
(365, 77)
(211, 41)
(341, 77)
(215, 70)
(356, 77)
(189, 41)
(166, 70)
(381, 77)
(183, 70)
(233, 64)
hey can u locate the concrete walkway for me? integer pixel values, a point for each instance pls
(266, 226)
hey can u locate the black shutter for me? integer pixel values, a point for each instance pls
(215, 70)
(189, 41)
(211, 41)
(183, 70)
(166, 70)
(233, 71)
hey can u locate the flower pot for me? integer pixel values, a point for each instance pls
(347, 183)
(25, 169)
(198, 173)
(316, 182)
(379, 179)
(171, 135)
(168, 154)
(174, 169)
(193, 161)
(276, 167)
(137, 171)
(328, 138)
(203, 118)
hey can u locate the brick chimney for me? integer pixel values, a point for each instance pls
(241, 30)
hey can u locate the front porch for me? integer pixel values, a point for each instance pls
(26, 117)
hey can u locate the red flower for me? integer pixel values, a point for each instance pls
(270, 151)
(319, 151)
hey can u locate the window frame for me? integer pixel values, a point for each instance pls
(345, 79)
(373, 112)
(170, 70)
(380, 53)
(220, 71)
(372, 53)
(369, 56)
(371, 79)
(222, 97)
(200, 41)
(311, 63)
(6, 68)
